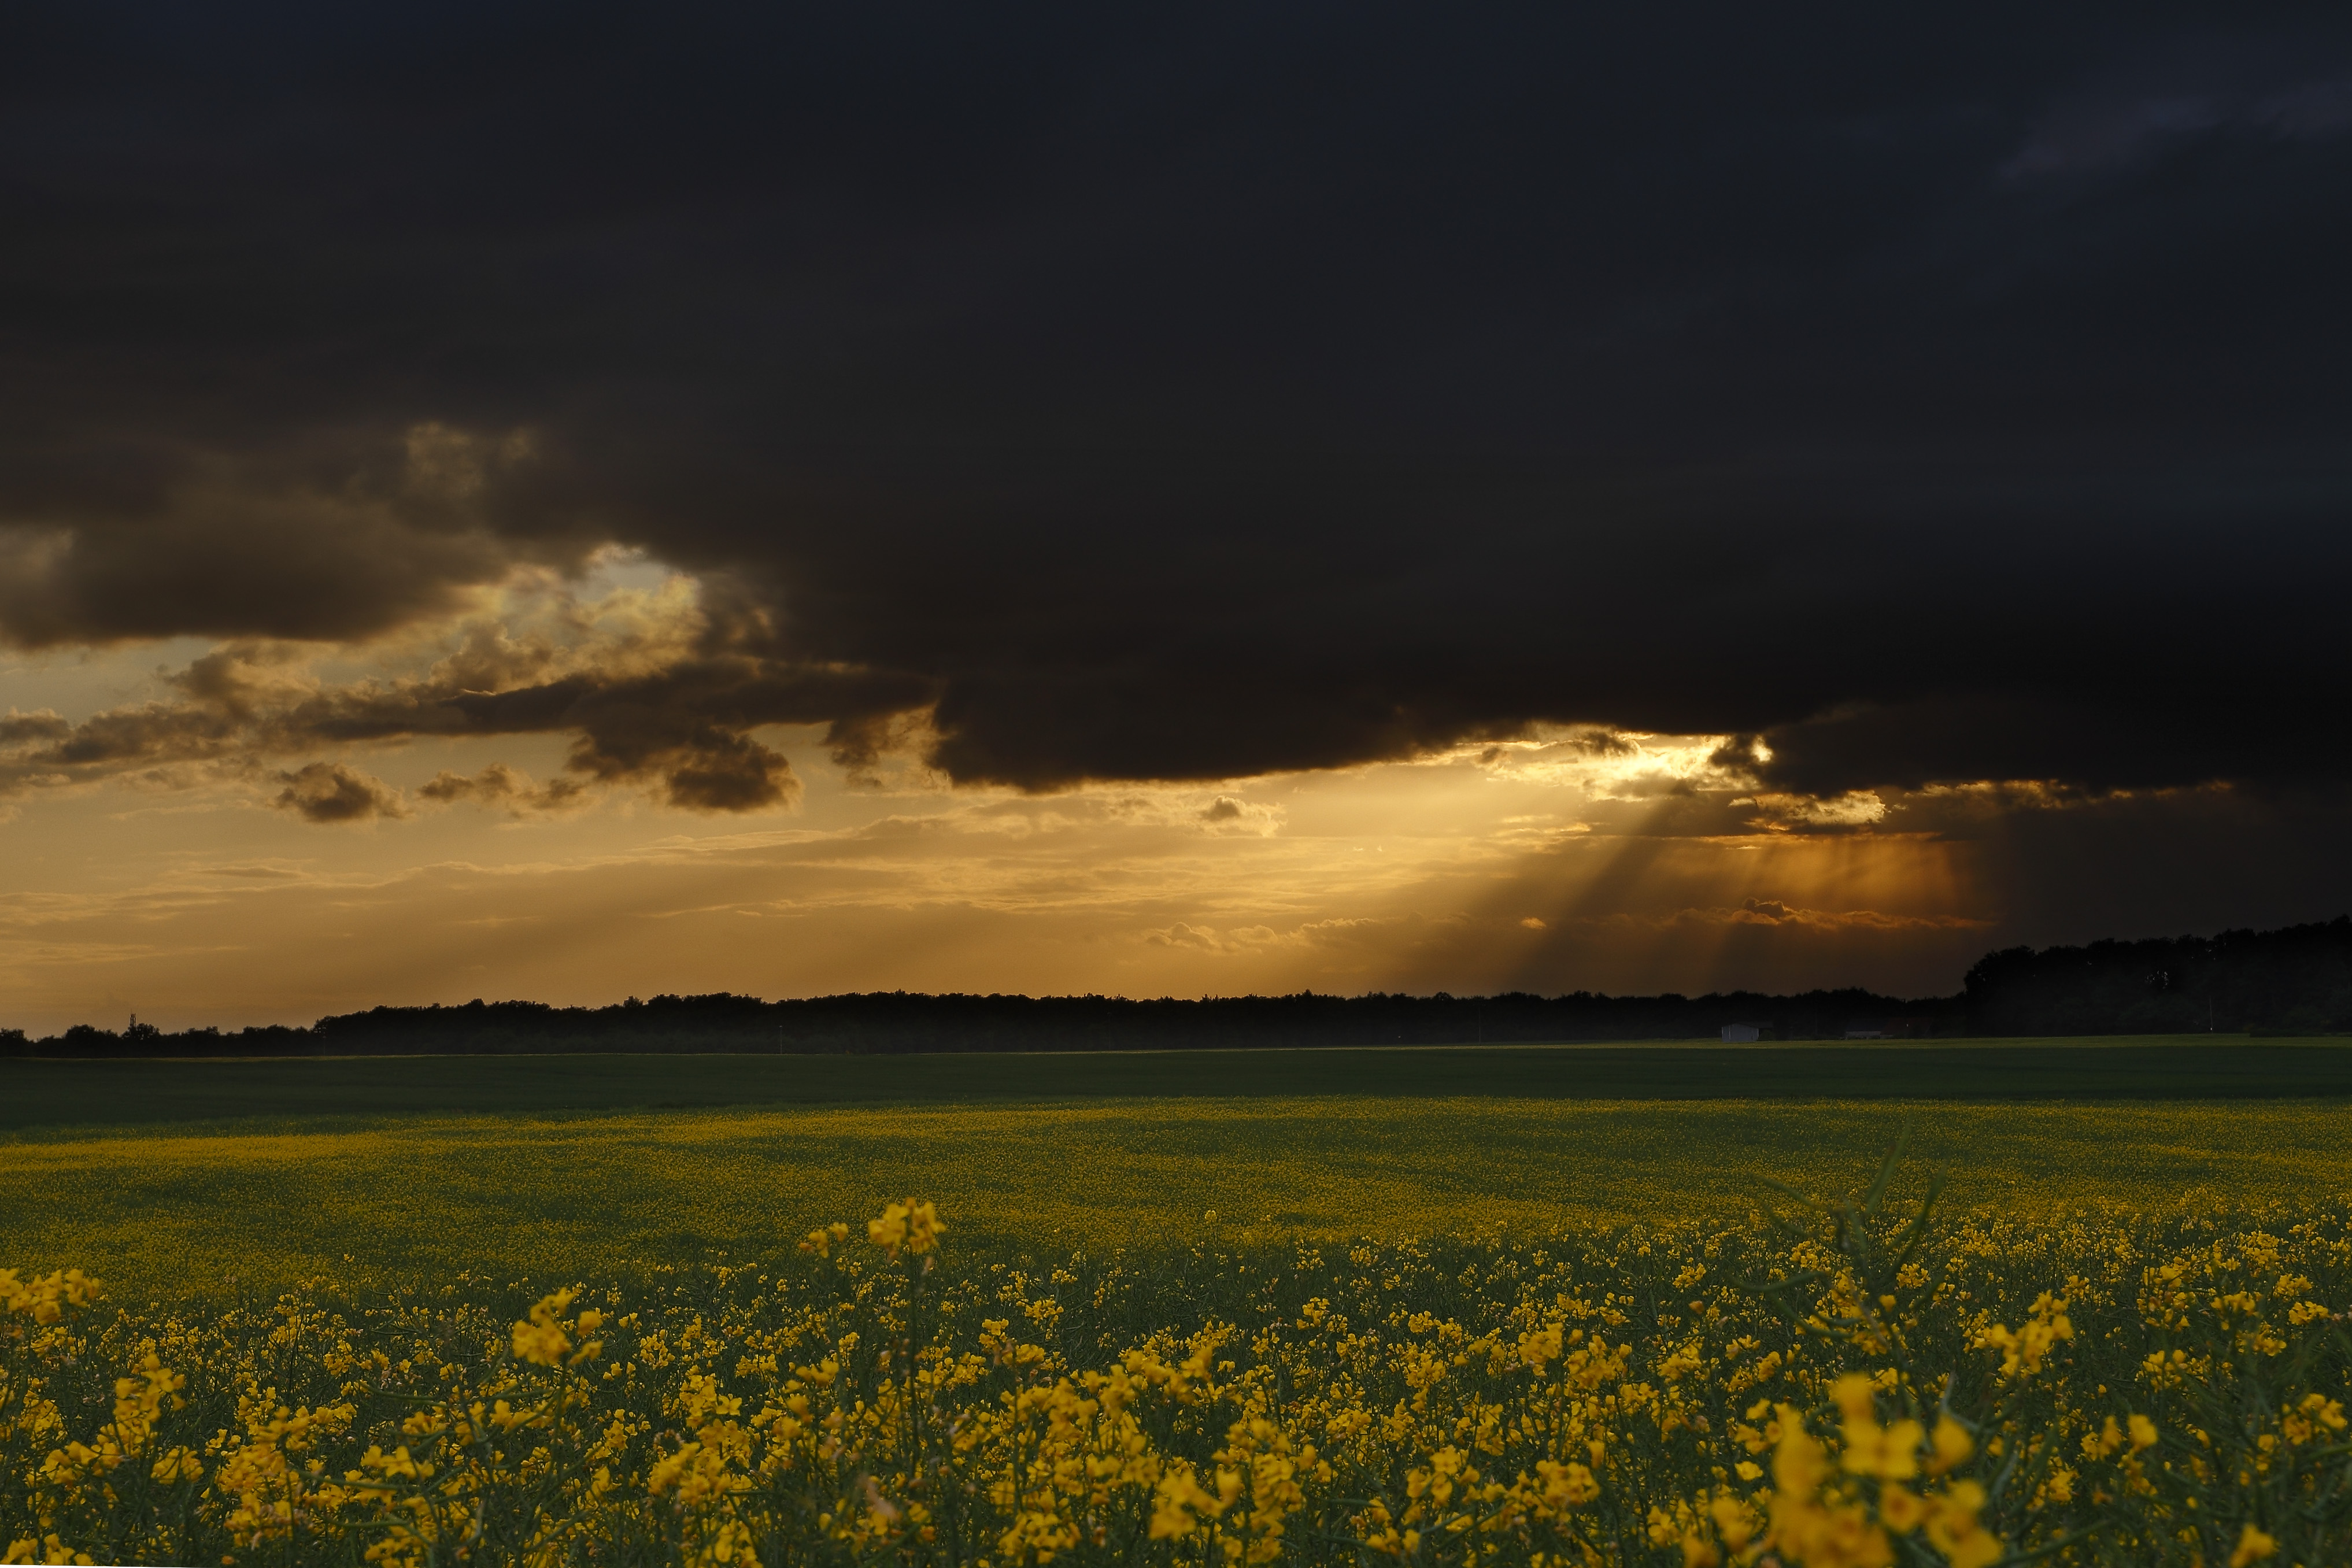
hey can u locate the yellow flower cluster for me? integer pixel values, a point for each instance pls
(45, 1301)
(913, 1225)
(2022, 1352)
(1846, 1515)
(1844, 1391)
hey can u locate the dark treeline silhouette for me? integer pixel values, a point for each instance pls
(894, 1021)
(2295, 981)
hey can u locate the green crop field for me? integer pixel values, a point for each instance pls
(382, 1169)
(49, 1093)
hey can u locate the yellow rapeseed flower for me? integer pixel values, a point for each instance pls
(2253, 1546)
(912, 1224)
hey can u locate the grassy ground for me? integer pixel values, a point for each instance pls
(176, 1213)
(48, 1094)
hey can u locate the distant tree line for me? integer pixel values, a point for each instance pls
(901, 1021)
(2295, 981)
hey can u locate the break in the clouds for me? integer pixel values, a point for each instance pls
(653, 692)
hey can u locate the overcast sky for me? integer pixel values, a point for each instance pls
(1191, 499)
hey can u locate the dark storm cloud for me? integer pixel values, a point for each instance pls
(347, 534)
(1934, 393)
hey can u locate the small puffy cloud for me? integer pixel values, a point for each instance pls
(1536, 922)
(494, 783)
(1783, 813)
(1551, 744)
(1207, 939)
(1774, 913)
(1231, 814)
(20, 729)
(1343, 934)
(1347, 932)
(1202, 939)
(1614, 765)
(727, 773)
(500, 784)
(330, 792)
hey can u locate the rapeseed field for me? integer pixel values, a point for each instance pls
(1861, 1380)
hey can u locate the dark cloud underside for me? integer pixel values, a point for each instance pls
(1935, 393)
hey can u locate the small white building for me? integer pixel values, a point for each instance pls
(1742, 1034)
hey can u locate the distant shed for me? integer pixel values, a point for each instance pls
(1744, 1034)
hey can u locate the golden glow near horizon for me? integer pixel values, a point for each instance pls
(184, 890)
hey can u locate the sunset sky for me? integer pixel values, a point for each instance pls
(564, 504)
